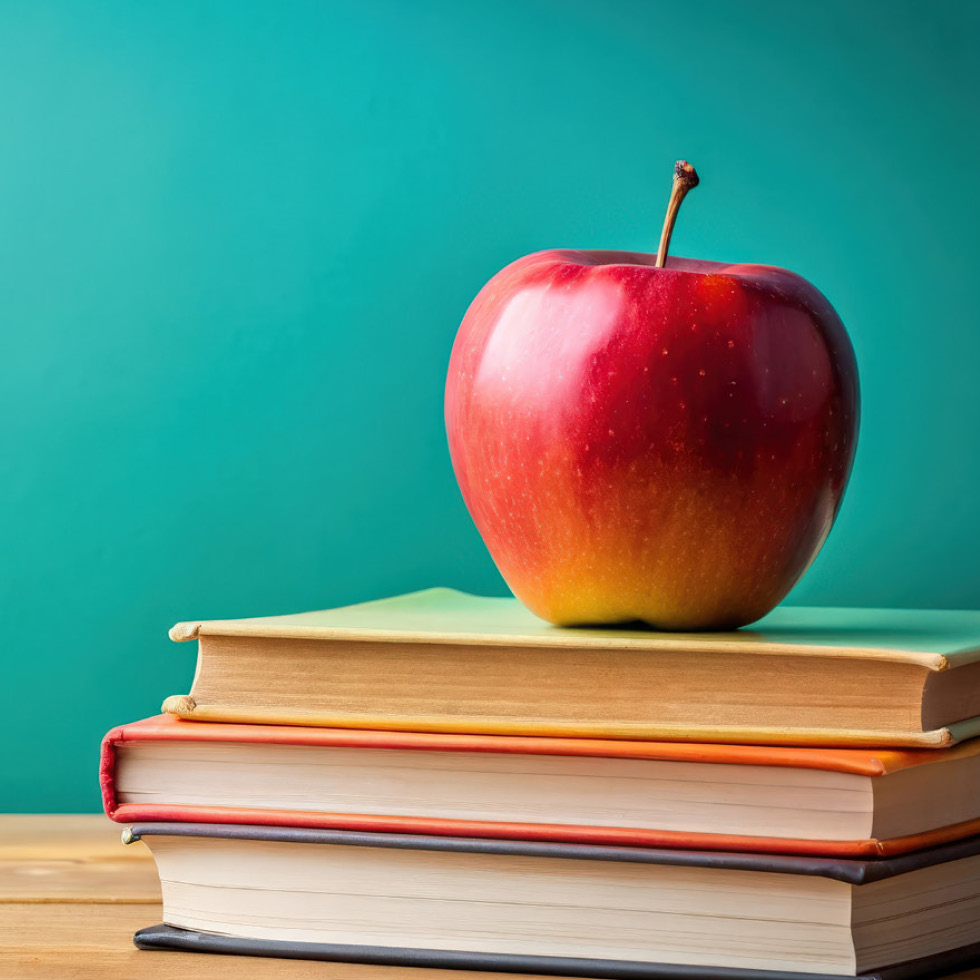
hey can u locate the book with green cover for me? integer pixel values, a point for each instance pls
(444, 661)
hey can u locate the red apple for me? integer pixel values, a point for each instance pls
(658, 442)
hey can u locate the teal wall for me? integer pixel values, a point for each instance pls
(236, 239)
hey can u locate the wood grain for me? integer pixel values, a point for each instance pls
(94, 942)
(46, 836)
(71, 897)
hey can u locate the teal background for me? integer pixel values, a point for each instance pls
(236, 240)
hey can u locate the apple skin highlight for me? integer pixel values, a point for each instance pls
(669, 445)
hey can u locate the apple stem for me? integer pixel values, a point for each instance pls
(685, 178)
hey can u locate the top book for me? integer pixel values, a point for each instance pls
(444, 661)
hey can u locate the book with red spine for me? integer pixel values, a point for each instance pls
(747, 798)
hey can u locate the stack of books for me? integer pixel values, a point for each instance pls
(444, 780)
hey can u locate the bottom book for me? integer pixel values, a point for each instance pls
(560, 909)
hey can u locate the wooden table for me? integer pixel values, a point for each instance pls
(71, 897)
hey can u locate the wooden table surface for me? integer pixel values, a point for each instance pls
(71, 897)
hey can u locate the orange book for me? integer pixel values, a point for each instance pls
(846, 802)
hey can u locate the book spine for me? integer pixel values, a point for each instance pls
(107, 769)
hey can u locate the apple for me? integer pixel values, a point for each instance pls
(640, 438)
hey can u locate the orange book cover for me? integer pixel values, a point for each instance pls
(855, 761)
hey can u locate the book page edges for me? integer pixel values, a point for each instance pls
(184, 706)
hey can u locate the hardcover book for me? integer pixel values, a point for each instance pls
(444, 661)
(661, 794)
(560, 908)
